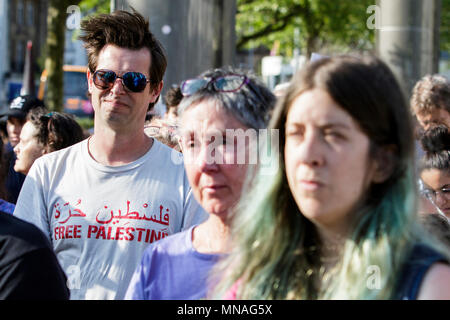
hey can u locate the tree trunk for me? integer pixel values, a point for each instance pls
(56, 27)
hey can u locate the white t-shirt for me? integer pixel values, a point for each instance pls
(101, 218)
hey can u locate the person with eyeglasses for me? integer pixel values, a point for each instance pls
(435, 169)
(102, 201)
(216, 105)
(163, 130)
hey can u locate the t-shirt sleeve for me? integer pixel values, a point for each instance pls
(135, 289)
(31, 205)
(139, 281)
(36, 275)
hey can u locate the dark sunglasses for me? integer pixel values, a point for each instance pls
(228, 83)
(133, 81)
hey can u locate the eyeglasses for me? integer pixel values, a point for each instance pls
(155, 129)
(133, 81)
(228, 83)
(432, 194)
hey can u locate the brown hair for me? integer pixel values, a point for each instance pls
(173, 97)
(55, 130)
(429, 93)
(125, 30)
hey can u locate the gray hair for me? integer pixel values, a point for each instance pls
(251, 104)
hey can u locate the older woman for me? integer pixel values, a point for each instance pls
(44, 133)
(219, 109)
(338, 219)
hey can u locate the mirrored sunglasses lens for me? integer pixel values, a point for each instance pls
(104, 78)
(135, 81)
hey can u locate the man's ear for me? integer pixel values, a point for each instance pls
(385, 163)
(156, 92)
(89, 81)
(180, 143)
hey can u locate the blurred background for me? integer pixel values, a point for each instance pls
(40, 53)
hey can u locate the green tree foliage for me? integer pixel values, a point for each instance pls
(89, 7)
(319, 23)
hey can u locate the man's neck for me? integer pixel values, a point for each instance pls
(113, 149)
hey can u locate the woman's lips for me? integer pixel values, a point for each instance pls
(213, 188)
(310, 185)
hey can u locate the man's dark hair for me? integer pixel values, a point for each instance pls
(125, 30)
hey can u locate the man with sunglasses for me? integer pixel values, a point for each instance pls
(104, 200)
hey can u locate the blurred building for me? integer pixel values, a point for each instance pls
(21, 21)
(197, 34)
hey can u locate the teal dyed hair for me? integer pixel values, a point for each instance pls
(276, 250)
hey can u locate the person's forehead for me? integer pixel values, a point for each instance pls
(435, 178)
(209, 115)
(28, 129)
(16, 120)
(124, 59)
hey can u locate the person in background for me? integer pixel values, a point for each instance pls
(435, 168)
(338, 220)
(219, 103)
(43, 133)
(172, 99)
(103, 200)
(16, 117)
(5, 206)
(29, 269)
(430, 101)
(163, 130)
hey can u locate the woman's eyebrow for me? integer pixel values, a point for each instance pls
(335, 125)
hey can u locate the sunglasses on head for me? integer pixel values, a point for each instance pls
(133, 81)
(228, 83)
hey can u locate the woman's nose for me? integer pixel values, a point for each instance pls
(16, 148)
(207, 158)
(311, 150)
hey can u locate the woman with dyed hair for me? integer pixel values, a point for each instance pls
(219, 117)
(44, 133)
(338, 220)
